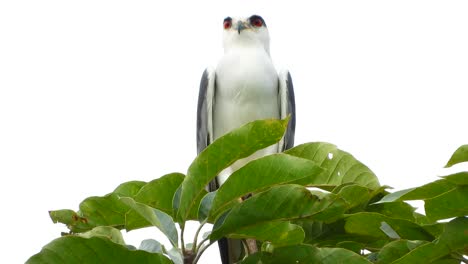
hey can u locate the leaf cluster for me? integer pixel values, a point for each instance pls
(313, 203)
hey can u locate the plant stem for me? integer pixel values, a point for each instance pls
(195, 247)
(182, 227)
(203, 241)
(202, 249)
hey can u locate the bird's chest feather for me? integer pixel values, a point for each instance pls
(246, 90)
(245, 76)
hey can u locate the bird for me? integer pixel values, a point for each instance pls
(245, 86)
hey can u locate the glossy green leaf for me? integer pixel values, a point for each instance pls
(460, 155)
(306, 254)
(397, 209)
(396, 249)
(104, 211)
(277, 233)
(98, 210)
(206, 205)
(333, 234)
(283, 202)
(460, 178)
(450, 204)
(130, 188)
(108, 232)
(108, 210)
(370, 225)
(312, 229)
(159, 193)
(341, 167)
(79, 250)
(453, 239)
(193, 214)
(354, 195)
(426, 191)
(260, 174)
(154, 216)
(455, 235)
(223, 152)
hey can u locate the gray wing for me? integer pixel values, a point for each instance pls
(205, 115)
(205, 110)
(205, 136)
(287, 107)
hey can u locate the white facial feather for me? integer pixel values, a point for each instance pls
(250, 36)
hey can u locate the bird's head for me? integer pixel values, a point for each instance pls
(245, 32)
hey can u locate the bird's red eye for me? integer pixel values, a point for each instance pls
(227, 24)
(257, 22)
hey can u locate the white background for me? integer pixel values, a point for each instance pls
(96, 93)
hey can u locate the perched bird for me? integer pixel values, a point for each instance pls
(244, 87)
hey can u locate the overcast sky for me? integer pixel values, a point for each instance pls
(96, 93)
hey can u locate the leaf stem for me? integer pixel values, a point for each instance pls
(195, 247)
(182, 227)
(202, 249)
(204, 240)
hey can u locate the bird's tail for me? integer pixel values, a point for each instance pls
(231, 250)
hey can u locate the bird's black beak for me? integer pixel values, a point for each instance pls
(240, 26)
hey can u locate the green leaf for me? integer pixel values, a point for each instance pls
(277, 233)
(159, 193)
(341, 167)
(206, 205)
(396, 249)
(223, 152)
(104, 211)
(283, 202)
(453, 238)
(435, 229)
(455, 235)
(79, 250)
(446, 261)
(334, 234)
(460, 155)
(98, 211)
(426, 191)
(460, 178)
(450, 204)
(370, 225)
(154, 216)
(422, 219)
(306, 254)
(354, 195)
(262, 173)
(130, 188)
(75, 222)
(176, 256)
(312, 229)
(193, 214)
(108, 232)
(152, 246)
(398, 209)
(108, 210)
(351, 245)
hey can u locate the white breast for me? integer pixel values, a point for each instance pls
(246, 89)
